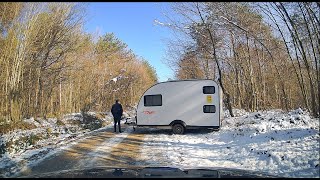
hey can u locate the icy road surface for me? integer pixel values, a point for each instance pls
(274, 142)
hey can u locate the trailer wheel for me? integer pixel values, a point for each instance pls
(178, 129)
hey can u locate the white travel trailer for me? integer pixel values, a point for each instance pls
(181, 105)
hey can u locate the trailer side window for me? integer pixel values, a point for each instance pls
(209, 108)
(208, 90)
(153, 100)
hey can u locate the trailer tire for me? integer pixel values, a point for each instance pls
(178, 128)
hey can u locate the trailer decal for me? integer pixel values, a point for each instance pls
(148, 112)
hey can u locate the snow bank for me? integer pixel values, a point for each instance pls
(274, 142)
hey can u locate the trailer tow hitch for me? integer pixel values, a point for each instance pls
(131, 124)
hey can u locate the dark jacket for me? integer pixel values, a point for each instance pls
(117, 110)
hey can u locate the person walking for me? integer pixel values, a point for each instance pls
(117, 111)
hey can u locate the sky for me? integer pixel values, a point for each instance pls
(133, 23)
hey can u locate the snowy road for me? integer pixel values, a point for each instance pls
(104, 148)
(272, 142)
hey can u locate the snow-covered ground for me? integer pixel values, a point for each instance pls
(274, 142)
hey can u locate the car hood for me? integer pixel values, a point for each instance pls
(152, 172)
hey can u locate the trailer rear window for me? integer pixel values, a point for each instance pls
(153, 100)
(209, 108)
(208, 90)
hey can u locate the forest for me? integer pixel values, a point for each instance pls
(50, 66)
(264, 55)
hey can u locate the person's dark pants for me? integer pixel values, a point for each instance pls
(117, 120)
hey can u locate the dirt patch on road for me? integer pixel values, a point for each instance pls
(125, 153)
(88, 145)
